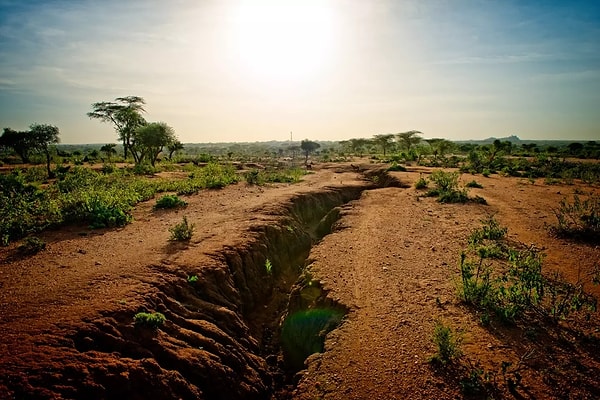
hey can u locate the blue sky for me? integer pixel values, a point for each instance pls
(254, 70)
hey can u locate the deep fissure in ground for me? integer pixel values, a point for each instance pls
(238, 330)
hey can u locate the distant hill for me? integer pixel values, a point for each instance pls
(513, 139)
(518, 141)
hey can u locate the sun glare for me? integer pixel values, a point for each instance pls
(284, 41)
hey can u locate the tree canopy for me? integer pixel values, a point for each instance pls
(409, 139)
(384, 141)
(44, 135)
(150, 139)
(308, 146)
(37, 139)
(125, 113)
(20, 142)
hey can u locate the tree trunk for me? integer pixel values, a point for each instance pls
(50, 173)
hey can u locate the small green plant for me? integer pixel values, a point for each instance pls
(149, 320)
(169, 201)
(474, 184)
(445, 181)
(421, 183)
(253, 177)
(183, 231)
(31, 245)
(396, 167)
(447, 190)
(268, 266)
(448, 343)
(192, 279)
(490, 230)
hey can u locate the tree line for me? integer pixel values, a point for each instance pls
(141, 139)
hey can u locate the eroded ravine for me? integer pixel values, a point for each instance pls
(222, 335)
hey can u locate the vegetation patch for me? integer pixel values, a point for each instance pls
(447, 342)
(579, 219)
(508, 282)
(421, 183)
(149, 320)
(169, 201)
(31, 245)
(182, 231)
(474, 184)
(447, 190)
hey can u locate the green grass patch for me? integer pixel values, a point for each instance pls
(149, 320)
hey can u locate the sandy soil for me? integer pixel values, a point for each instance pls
(392, 261)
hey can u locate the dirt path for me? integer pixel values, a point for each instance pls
(65, 314)
(394, 261)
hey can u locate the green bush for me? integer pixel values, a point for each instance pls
(509, 282)
(253, 177)
(183, 231)
(25, 208)
(396, 167)
(169, 201)
(31, 245)
(579, 219)
(421, 183)
(149, 320)
(489, 230)
(474, 184)
(444, 181)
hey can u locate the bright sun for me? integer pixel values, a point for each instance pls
(284, 41)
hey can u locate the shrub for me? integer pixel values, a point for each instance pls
(149, 320)
(253, 177)
(183, 231)
(454, 196)
(490, 230)
(445, 181)
(421, 183)
(509, 282)
(447, 342)
(396, 167)
(32, 245)
(474, 184)
(169, 201)
(579, 219)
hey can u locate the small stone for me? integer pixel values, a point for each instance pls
(97, 263)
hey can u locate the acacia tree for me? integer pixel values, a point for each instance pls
(177, 145)
(42, 136)
(409, 139)
(20, 142)
(358, 146)
(439, 147)
(109, 150)
(125, 113)
(308, 146)
(384, 141)
(150, 139)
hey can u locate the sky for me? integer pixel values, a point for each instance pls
(258, 70)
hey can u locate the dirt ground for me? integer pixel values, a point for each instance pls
(66, 328)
